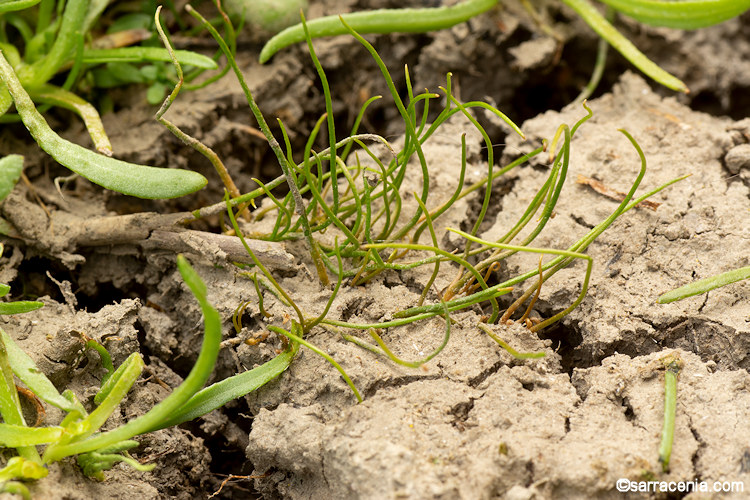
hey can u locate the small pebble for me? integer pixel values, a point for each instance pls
(738, 158)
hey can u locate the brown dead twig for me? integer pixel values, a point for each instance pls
(234, 477)
(62, 234)
(612, 194)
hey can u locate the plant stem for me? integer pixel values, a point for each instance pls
(624, 46)
(379, 21)
(601, 61)
(319, 352)
(673, 365)
(272, 142)
(504, 345)
(175, 130)
(180, 395)
(705, 285)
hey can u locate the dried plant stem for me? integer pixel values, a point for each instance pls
(177, 132)
(273, 143)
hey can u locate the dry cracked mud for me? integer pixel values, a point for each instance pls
(474, 422)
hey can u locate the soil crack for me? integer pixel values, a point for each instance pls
(396, 382)
(474, 382)
(698, 451)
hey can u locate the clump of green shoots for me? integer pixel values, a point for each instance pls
(352, 214)
(79, 432)
(685, 14)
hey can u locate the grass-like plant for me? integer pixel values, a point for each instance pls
(50, 39)
(672, 367)
(351, 213)
(705, 285)
(78, 433)
(682, 14)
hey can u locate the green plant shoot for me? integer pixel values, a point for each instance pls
(673, 365)
(78, 433)
(379, 21)
(127, 178)
(685, 14)
(682, 14)
(705, 285)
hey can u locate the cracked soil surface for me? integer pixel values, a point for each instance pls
(474, 422)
